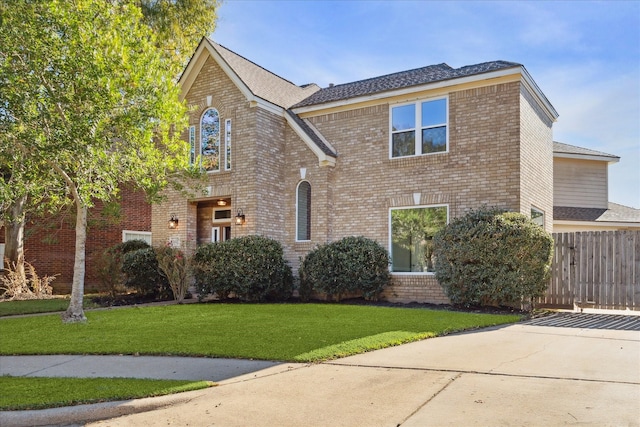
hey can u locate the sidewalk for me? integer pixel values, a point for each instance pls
(515, 375)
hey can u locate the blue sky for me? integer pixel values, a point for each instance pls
(584, 55)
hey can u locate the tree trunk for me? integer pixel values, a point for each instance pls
(75, 312)
(14, 237)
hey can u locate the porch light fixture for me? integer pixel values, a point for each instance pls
(173, 222)
(240, 220)
(221, 202)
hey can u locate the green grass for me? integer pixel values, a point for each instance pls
(288, 332)
(22, 393)
(285, 332)
(11, 308)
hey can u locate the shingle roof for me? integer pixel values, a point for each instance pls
(311, 133)
(615, 213)
(403, 79)
(559, 147)
(264, 83)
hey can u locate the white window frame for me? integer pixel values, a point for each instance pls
(220, 130)
(125, 233)
(298, 211)
(542, 215)
(418, 127)
(410, 273)
(192, 145)
(227, 145)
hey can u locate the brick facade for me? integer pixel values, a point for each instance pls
(50, 245)
(500, 154)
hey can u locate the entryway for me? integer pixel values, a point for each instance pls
(214, 220)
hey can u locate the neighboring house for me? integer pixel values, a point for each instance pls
(580, 192)
(391, 158)
(50, 245)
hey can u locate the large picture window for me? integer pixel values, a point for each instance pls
(210, 140)
(303, 213)
(412, 231)
(419, 128)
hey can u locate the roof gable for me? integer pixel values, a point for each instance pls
(256, 83)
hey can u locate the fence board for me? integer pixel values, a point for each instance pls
(595, 269)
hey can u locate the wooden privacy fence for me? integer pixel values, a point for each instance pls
(595, 269)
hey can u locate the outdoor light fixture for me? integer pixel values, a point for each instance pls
(173, 222)
(221, 202)
(240, 218)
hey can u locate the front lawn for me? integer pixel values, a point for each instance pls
(284, 332)
(22, 393)
(11, 308)
(287, 332)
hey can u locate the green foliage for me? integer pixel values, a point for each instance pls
(251, 268)
(142, 272)
(174, 265)
(352, 264)
(491, 257)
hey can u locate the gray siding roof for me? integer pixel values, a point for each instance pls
(561, 148)
(615, 213)
(403, 79)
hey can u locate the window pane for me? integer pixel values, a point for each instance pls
(227, 140)
(434, 112)
(403, 144)
(403, 117)
(210, 140)
(537, 216)
(192, 145)
(434, 140)
(412, 232)
(303, 216)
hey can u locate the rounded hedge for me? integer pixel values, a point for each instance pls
(493, 258)
(352, 264)
(251, 268)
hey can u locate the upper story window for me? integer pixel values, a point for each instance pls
(210, 140)
(227, 144)
(412, 230)
(303, 211)
(192, 145)
(419, 128)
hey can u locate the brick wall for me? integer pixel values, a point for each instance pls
(484, 166)
(50, 243)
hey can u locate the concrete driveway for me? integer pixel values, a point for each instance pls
(518, 375)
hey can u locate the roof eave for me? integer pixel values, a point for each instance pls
(629, 224)
(608, 159)
(516, 70)
(324, 159)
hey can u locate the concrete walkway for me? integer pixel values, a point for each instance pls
(522, 374)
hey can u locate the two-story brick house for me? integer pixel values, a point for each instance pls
(306, 166)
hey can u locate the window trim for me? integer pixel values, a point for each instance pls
(418, 127)
(144, 233)
(200, 155)
(297, 239)
(192, 145)
(411, 273)
(227, 144)
(542, 215)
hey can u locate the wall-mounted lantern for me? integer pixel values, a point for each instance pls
(240, 219)
(173, 222)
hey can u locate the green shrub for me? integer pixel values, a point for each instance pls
(141, 271)
(492, 258)
(251, 268)
(352, 264)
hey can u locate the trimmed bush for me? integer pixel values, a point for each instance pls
(352, 264)
(493, 258)
(141, 271)
(251, 268)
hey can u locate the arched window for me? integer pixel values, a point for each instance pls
(303, 213)
(210, 140)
